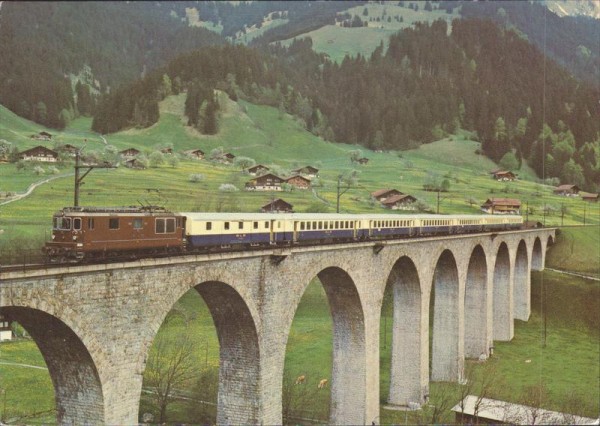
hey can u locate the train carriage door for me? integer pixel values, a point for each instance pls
(296, 231)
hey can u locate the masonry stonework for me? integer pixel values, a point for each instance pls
(95, 324)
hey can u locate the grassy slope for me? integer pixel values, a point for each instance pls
(576, 249)
(338, 42)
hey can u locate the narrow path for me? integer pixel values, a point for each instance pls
(576, 274)
(23, 365)
(32, 187)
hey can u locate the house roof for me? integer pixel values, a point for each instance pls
(380, 192)
(399, 197)
(566, 188)
(502, 202)
(503, 172)
(277, 201)
(298, 177)
(306, 168)
(257, 167)
(265, 176)
(39, 148)
(128, 150)
(193, 151)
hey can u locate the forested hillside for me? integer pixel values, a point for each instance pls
(43, 43)
(523, 106)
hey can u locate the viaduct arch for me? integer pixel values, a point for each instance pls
(253, 296)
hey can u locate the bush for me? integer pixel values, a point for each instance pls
(156, 159)
(39, 170)
(196, 177)
(228, 187)
(54, 170)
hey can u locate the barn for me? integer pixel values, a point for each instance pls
(268, 182)
(277, 206)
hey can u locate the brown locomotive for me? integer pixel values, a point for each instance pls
(95, 232)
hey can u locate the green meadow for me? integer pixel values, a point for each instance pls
(567, 365)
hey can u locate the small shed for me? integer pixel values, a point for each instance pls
(308, 171)
(268, 182)
(592, 198)
(501, 206)
(400, 202)
(129, 153)
(504, 176)
(198, 154)
(299, 182)
(39, 153)
(167, 151)
(259, 169)
(5, 329)
(475, 410)
(363, 160)
(277, 206)
(381, 194)
(228, 157)
(567, 190)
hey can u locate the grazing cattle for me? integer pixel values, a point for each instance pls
(323, 383)
(300, 380)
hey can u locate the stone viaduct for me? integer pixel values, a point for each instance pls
(479, 284)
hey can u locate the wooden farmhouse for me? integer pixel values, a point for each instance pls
(129, 153)
(228, 158)
(167, 151)
(400, 202)
(277, 206)
(268, 182)
(5, 330)
(592, 198)
(42, 136)
(257, 170)
(39, 153)
(69, 149)
(504, 176)
(298, 181)
(363, 160)
(567, 190)
(308, 171)
(197, 154)
(381, 194)
(501, 206)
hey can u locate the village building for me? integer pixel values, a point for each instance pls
(42, 136)
(39, 153)
(5, 329)
(381, 194)
(277, 206)
(134, 163)
(299, 182)
(592, 198)
(567, 190)
(68, 148)
(268, 182)
(475, 410)
(504, 175)
(257, 170)
(307, 171)
(363, 160)
(228, 158)
(197, 154)
(129, 153)
(167, 151)
(501, 206)
(400, 202)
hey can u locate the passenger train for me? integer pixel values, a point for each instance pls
(88, 233)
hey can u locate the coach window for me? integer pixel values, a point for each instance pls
(326, 225)
(302, 226)
(208, 226)
(255, 225)
(308, 226)
(266, 225)
(337, 224)
(226, 226)
(77, 224)
(137, 223)
(90, 223)
(113, 223)
(240, 225)
(170, 225)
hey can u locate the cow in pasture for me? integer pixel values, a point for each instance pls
(300, 380)
(323, 383)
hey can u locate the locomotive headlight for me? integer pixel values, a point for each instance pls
(74, 237)
(53, 236)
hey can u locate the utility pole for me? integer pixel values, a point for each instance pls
(337, 204)
(527, 211)
(79, 180)
(438, 201)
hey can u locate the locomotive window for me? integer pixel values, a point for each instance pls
(170, 225)
(226, 225)
(62, 223)
(90, 223)
(137, 223)
(160, 226)
(255, 225)
(240, 225)
(77, 223)
(179, 222)
(113, 223)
